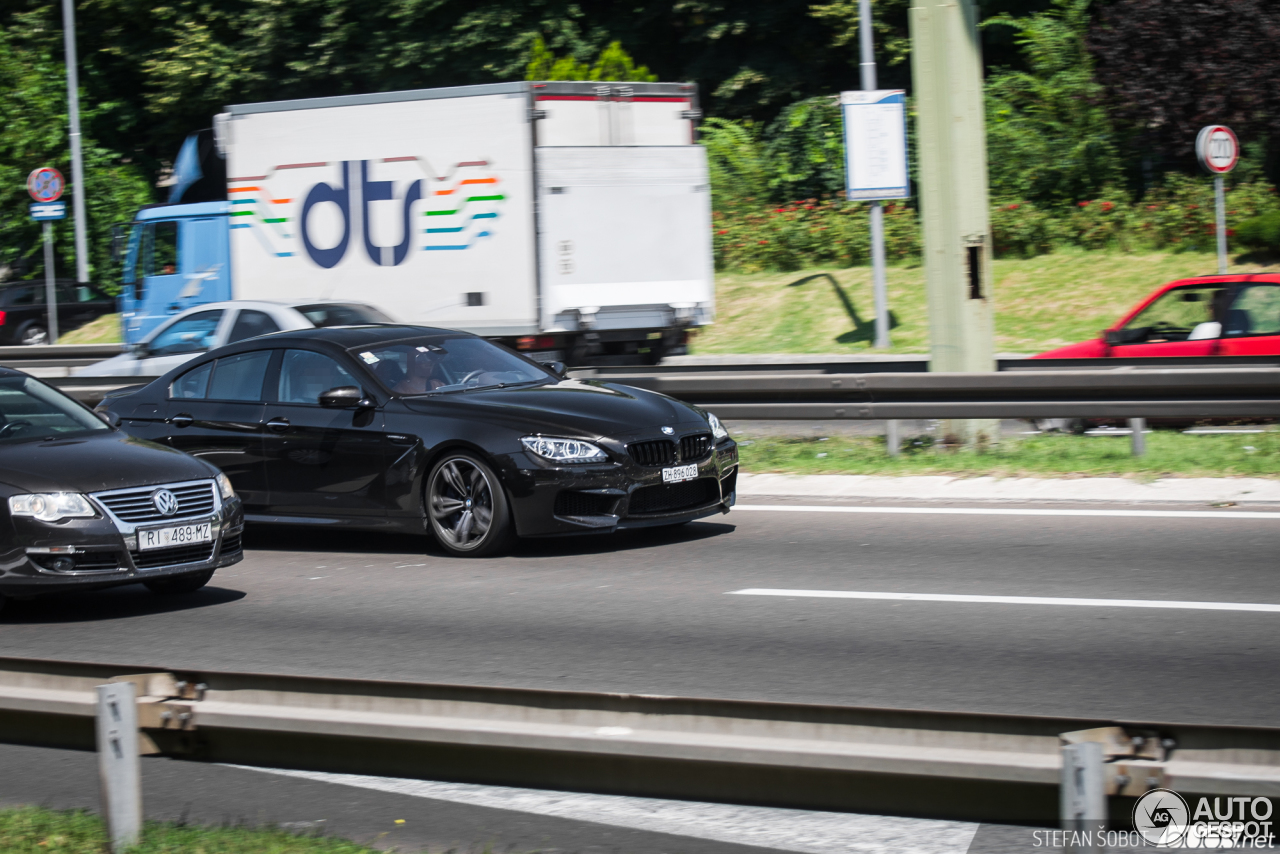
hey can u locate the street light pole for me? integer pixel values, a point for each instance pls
(867, 67)
(77, 159)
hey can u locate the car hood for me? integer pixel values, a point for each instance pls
(95, 462)
(576, 407)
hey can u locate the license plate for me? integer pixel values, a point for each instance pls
(178, 535)
(679, 474)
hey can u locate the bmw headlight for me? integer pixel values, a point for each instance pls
(51, 506)
(717, 429)
(564, 450)
(224, 487)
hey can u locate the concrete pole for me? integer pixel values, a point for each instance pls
(946, 64)
(867, 68)
(77, 159)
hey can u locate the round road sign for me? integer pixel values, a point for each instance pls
(45, 184)
(1217, 149)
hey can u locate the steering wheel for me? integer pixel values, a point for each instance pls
(13, 427)
(469, 377)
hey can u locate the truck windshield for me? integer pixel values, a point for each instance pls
(440, 364)
(29, 409)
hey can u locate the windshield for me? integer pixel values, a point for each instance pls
(31, 410)
(440, 363)
(339, 314)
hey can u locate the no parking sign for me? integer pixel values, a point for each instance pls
(46, 184)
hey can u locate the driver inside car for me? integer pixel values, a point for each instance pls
(423, 374)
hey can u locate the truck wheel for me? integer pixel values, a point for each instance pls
(467, 506)
(180, 583)
(33, 333)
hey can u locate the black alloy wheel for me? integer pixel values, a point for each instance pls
(180, 583)
(467, 507)
(33, 333)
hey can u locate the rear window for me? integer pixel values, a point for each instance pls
(341, 314)
(237, 378)
(20, 296)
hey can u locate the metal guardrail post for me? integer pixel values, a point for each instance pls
(1138, 436)
(1083, 796)
(892, 439)
(118, 764)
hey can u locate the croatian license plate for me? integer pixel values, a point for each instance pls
(178, 535)
(679, 474)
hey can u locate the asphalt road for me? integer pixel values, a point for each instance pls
(650, 612)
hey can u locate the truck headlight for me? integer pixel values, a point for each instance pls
(717, 429)
(224, 487)
(51, 506)
(564, 450)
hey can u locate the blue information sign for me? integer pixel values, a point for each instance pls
(41, 211)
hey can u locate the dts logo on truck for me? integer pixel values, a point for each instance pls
(457, 204)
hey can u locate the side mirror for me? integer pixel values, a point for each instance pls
(1116, 337)
(109, 417)
(345, 397)
(557, 368)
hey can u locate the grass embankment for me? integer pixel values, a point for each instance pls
(104, 330)
(1169, 454)
(1041, 303)
(41, 831)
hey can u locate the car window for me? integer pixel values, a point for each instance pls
(160, 249)
(193, 334)
(239, 377)
(1174, 315)
(1255, 311)
(31, 410)
(22, 296)
(440, 363)
(341, 315)
(305, 375)
(250, 324)
(193, 385)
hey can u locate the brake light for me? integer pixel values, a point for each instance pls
(1, 318)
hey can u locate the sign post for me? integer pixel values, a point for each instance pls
(45, 185)
(1218, 151)
(875, 145)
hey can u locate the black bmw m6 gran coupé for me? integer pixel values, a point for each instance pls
(415, 429)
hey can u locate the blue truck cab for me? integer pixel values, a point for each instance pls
(178, 256)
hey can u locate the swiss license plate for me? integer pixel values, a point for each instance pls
(679, 474)
(178, 535)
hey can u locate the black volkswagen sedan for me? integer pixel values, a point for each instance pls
(85, 505)
(414, 429)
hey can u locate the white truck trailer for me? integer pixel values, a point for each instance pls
(570, 220)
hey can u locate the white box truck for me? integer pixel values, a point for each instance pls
(567, 219)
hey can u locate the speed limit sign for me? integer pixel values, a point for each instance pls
(45, 184)
(1217, 149)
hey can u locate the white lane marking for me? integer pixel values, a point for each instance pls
(805, 831)
(1008, 600)
(1007, 511)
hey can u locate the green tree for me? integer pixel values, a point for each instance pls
(1049, 137)
(34, 133)
(614, 63)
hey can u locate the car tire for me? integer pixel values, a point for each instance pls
(467, 507)
(32, 333)
(179, 583)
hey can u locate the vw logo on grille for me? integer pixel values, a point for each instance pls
(165, 501)
(668, 430)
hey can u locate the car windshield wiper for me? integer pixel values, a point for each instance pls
(503, 385)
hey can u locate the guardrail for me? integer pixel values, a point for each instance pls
(980, 767)
(1193, 394)
(57, 355)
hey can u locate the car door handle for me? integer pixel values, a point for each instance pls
(182, 419)
(278, 425)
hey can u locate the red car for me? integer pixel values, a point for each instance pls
(1207, 316)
